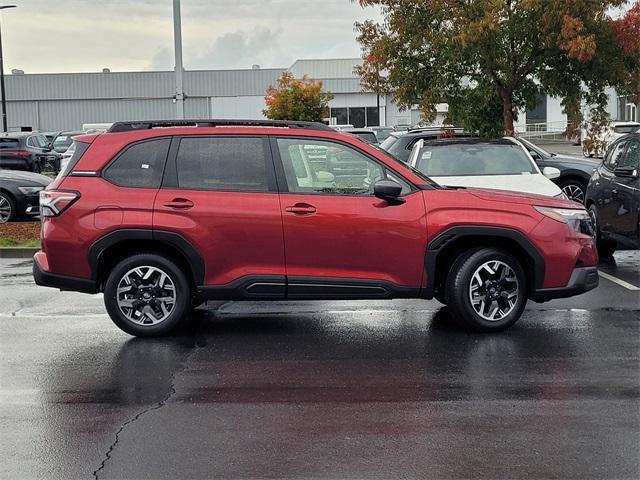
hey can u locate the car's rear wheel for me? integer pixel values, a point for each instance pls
(147, 295)
(7, 208)
(486, 290)
(574, 190)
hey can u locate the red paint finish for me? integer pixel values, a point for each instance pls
(237, 233)
(355, 237)
(240, 233)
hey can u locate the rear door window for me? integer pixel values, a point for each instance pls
(139, 165)
(219, 163)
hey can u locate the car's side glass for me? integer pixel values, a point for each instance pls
(219, 163)
(31, 141)
(631, 158)
(318, 166)
(614, 154)
(140, 165)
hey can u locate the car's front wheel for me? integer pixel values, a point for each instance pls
(574, 190)
(147, 295)
(606, 246)
(7, 208)
(486, 290)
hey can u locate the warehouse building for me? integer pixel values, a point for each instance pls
(50, 102)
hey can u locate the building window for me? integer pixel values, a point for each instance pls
(340, 114)
(357, 117)
(373, 117)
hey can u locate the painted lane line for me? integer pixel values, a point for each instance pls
(622, 283)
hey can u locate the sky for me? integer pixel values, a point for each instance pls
(47, 36)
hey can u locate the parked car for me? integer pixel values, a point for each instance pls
(365, 134)
(575, 172)
(19, 194)
(25, 151)
(613, 196)
(165, 217)
(400, 144)
(63, 140)
(382, 133)
(609, 135)
(472, 162)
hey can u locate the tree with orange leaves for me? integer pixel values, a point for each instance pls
(297, 99)
(444, 50)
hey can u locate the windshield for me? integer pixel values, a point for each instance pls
(61, 143)
(455, 160)
(625, 128)
(534, 148)
(368, 137)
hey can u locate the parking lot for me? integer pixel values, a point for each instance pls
(379, 389)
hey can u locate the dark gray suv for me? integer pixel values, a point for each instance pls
(613, 196)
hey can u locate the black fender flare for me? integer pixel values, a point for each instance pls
(449, 235)
(179, 243)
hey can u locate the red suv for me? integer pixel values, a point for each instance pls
(162, 216)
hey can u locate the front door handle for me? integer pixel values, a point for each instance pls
(301, 209)
(179, 203)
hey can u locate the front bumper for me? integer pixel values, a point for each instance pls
(47, 279)
(582, 280)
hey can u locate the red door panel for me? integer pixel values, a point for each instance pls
(357, 237)
(237, 233)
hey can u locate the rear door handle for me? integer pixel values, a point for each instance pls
(179, 203)
(301, 209)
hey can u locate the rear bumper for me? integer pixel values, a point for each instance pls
(582, 280)
(48, 279)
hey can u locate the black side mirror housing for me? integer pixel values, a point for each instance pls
(629, 172)
(388, 190)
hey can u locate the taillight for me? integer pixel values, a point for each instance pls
(17, 153)
(54, 202)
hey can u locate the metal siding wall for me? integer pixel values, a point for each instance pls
(71, 114)
(195, 108)
(22, 114)
(226, 83)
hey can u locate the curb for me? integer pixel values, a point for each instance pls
(18, 252)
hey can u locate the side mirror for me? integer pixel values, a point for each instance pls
(551, 172)
(388, 190)
(628, 172)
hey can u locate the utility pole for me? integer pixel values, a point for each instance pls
(177, 40)
(2, 91)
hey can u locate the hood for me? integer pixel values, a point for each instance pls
(506, 196)
(574, 159)
(535, 183)
(26, 177)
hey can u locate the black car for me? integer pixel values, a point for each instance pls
(27, 151)
(20, 193)
(365, 134)
(575, 172)
(63, 140)
(400, 144)
(613, 196)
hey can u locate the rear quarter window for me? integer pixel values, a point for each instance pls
(140, 165)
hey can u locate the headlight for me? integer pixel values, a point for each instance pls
(578, 219)
(30, 190)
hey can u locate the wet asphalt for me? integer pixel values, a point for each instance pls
(379, 389)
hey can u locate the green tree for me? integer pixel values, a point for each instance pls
(297, 99)
(454, 50)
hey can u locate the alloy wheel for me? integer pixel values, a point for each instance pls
(146, 295)
(493, 290)
(574, 192)
(6, 210)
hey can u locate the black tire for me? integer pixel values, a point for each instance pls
(8, 208)
(459, 283)
(574, 189)
(181, 306)
(606, 246)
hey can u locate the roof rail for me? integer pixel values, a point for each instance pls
(149, 124)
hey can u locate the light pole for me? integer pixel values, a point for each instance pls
(4, 98)
(177, 44)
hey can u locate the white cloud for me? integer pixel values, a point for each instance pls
(86, 35)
